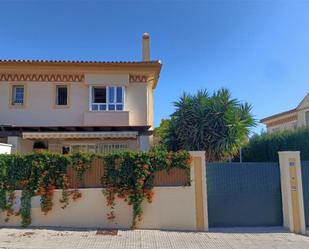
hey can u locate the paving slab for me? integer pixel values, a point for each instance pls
(238, 238)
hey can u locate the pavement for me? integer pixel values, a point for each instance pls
(150, 239)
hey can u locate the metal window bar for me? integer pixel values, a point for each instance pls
(62, 95)
(18, 94)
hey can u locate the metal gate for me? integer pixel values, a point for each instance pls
(244, 194)
(305, 179)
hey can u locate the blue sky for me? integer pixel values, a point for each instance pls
(257, 49)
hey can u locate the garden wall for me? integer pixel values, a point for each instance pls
(173, 207)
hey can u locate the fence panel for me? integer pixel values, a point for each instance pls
(305, 179)
(247, 194)
(173, 177)
(92, 178)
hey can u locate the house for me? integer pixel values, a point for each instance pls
(78, 105)
(289, 120)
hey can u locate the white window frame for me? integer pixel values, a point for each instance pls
(107, 98)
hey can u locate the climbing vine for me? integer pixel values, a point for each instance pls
(127, 175)
(37, 174)
(130, 175)
(81, 163)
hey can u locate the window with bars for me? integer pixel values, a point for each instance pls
(96, 148)
(110, 98)
(106, 148)
(61, 95)
(18, 93)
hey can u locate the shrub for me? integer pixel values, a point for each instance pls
(265, 147)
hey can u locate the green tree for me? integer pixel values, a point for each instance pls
(160, 132)
(217, 124)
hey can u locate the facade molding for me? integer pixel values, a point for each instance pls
(42, 77)
(138, 78)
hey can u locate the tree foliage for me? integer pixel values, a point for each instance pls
(265, 147)
(217, 123)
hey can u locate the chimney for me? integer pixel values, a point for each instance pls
(146, 50)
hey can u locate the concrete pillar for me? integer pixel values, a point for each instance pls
(292, 191)
(198, 181)
(144, 143)
(15, 141)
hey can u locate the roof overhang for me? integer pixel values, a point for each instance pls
(79, 135)
(11, 130)
(75, 70)
(279, 116)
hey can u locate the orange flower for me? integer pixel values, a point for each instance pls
(190, 160)
(24, 182)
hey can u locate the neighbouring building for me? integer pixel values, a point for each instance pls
(67, 106)
(289, 120)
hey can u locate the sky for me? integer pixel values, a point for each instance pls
(259, 50)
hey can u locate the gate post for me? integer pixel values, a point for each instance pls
(198, 177)
(292, 191)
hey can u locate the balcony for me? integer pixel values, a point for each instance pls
(108, 118)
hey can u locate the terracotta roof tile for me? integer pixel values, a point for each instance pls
(278, 115)
(81, 62)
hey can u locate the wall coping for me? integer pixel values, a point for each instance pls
(288, 152)
(197, 153)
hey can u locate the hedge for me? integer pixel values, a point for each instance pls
(265, 147)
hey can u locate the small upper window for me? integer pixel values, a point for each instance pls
(18, 92)
(61, 95)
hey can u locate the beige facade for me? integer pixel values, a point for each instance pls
(29, 98)
(289, 120)
(39, 107)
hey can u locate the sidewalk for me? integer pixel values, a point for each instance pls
(150, 239)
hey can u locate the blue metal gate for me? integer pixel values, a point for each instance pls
(305, 179)
(244, 194)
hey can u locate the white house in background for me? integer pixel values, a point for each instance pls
(78, 105)
(289, 120)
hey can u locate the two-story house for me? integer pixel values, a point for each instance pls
(289, 120)
(78, 105)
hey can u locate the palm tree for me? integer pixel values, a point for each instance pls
(216, 123)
